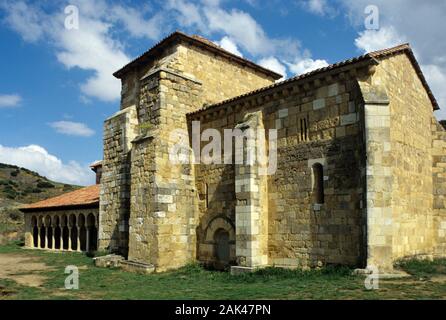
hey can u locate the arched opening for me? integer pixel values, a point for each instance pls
(49, 232)
(50, 238)
(92, 233)
(222, 250)
(65, 232)
(82, 232)
(73, 228)
(42, 237)
(65, 237)
(57, 232)
(35, 232)
(74, 238)
(318, 191)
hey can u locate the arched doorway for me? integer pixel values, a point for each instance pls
(217, 249)
(222, 249)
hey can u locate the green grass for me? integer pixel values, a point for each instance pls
(194, 282)
(424, 268)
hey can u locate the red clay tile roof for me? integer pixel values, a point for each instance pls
(197, 41)
(85, 197)
(371, 58)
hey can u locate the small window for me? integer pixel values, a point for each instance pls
(318, 174)
(206, 195)
(303, 129)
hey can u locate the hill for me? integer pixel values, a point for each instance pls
(19, 186)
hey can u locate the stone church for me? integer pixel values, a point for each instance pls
(360, 177)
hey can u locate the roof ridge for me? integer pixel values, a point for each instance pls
(370, 55)
(203, 41)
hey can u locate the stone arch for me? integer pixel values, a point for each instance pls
(42, 229)
(82, 231)
(57, 232)
(49, 231)
(220, 232)
(217, 223)
(73, 231)
(92, 232)
(65, 232)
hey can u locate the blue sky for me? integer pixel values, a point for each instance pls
(58, 88)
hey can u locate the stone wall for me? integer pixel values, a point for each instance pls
(114, 209)
(439, 186)
(221, 78)
(411, 160)
(163, 209)
(158, 197)
(317, 121)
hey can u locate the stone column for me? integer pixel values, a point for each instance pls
(38, 236)
(61, 237)
(53, 238)
(78, 247)
(251, 213)
(378, 178)
(45, 245)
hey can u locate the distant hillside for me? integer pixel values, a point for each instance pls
(20, 186)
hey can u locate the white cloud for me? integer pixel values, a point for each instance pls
(9, 100)
(136, 24)
(318, 7)
(305, 65)
(188, 14)
(94, 46)
(229, 45)
(239, 26)
(421, 23)
(36, 158)
(273, 64)
(72, 128)
(371, 40)
(24, 19)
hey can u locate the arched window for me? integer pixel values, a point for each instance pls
(318, 191)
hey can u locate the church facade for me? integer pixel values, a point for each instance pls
(359, 177)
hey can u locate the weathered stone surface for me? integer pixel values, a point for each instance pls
(382, 152)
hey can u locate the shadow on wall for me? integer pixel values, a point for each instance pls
(216, 229)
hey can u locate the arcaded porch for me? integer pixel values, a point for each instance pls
(64, 230)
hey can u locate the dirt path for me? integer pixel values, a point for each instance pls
(23, 270)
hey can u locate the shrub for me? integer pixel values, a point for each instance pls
(12, 183)
(15, 173)
(44, 185)
(15, 215)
